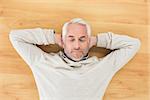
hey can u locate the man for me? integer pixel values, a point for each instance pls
(71, 74)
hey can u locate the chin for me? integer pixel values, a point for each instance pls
(76, 59)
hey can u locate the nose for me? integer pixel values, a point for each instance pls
(77, 45)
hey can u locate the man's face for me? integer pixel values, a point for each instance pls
(76, 42)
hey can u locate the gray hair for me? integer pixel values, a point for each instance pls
(75, 20)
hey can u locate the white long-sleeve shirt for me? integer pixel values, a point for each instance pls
(54, 76)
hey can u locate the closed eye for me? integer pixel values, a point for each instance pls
(82, 39)
(71, 40)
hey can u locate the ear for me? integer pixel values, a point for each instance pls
(58, 39)
(92, 41)
(61, 44)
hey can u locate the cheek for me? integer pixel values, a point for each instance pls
(67, 46)
(85, 45)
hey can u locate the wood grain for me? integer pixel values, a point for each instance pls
(119, 16)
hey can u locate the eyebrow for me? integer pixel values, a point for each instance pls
(83, 37)
(73, 36)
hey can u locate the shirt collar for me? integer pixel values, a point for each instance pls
(72, 63)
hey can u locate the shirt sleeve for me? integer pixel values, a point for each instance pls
(123, 49)
(25, 40)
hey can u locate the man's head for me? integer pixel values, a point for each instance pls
(76, 38)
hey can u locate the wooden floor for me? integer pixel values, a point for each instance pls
(119, 16)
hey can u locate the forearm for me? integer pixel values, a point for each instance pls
(123, 49)
(23, 41)
(33, 36)
(114, 41)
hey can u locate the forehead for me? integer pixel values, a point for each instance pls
(76, 29)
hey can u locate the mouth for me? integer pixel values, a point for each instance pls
(77, 51)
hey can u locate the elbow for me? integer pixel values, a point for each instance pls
(13, 35)
(137, 44)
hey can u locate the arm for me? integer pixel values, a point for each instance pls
(123, 46)
(24, 41)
